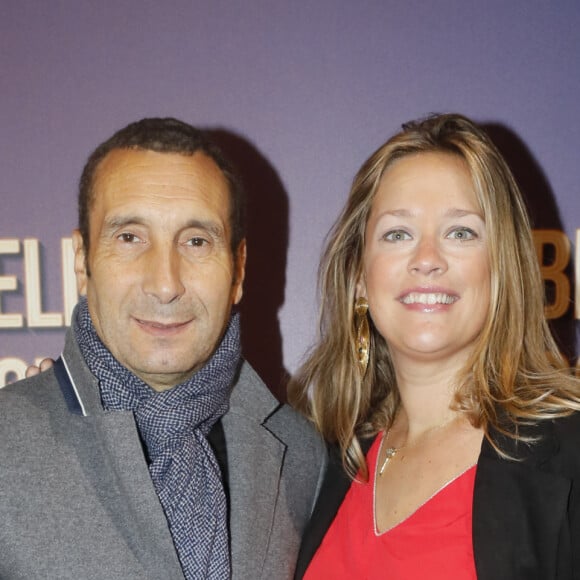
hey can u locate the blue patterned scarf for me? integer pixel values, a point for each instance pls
(174, 424)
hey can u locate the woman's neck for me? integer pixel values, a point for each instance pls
(427, 393)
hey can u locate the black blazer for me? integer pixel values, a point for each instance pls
(526, 513)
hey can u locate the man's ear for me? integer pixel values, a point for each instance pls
(239, 272)
(80, 262)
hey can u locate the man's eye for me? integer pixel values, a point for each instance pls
(198, 242)
(396, 236)
(462, 234)
(128, 238)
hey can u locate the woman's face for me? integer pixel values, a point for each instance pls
(426, 271)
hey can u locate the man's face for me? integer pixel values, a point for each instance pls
(160, 277)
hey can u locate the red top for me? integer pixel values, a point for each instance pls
(434, 542)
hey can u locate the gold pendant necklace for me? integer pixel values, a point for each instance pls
(390, 452)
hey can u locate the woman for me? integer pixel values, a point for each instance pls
(435, 356)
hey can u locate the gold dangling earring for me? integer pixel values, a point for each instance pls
(362, 343)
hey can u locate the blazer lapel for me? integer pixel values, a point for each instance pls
(253, 494)
(255, 457)
(334, 488)
(133, 503)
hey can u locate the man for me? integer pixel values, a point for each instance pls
(151, 449)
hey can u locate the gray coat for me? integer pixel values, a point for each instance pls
(77, 501)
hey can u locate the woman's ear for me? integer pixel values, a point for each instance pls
(361, 288)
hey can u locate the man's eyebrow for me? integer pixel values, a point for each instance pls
(213, 228)
(210, 226)
(115, 222)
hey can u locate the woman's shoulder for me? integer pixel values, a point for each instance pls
(542, 442)
(569, 423)
(566, 432)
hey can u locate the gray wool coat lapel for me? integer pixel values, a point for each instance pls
(254, 466)
(275, 468)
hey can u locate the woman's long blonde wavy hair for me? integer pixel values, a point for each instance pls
(515, 375)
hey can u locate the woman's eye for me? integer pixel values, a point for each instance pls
(462, 234)
(396, 236)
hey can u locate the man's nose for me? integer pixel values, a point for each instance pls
(162, 276)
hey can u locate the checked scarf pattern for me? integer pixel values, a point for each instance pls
(173, 425)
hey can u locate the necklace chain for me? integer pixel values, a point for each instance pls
(390, 452)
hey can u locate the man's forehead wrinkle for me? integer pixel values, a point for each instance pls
(161, 180)
(157, 185)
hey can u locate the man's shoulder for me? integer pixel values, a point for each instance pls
(38, 398)
(29, 393)
(29, 409)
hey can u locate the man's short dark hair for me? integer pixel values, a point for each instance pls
(163, 135)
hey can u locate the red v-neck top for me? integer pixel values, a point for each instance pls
(434, 542)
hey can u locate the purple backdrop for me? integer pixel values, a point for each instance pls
(299, 93)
